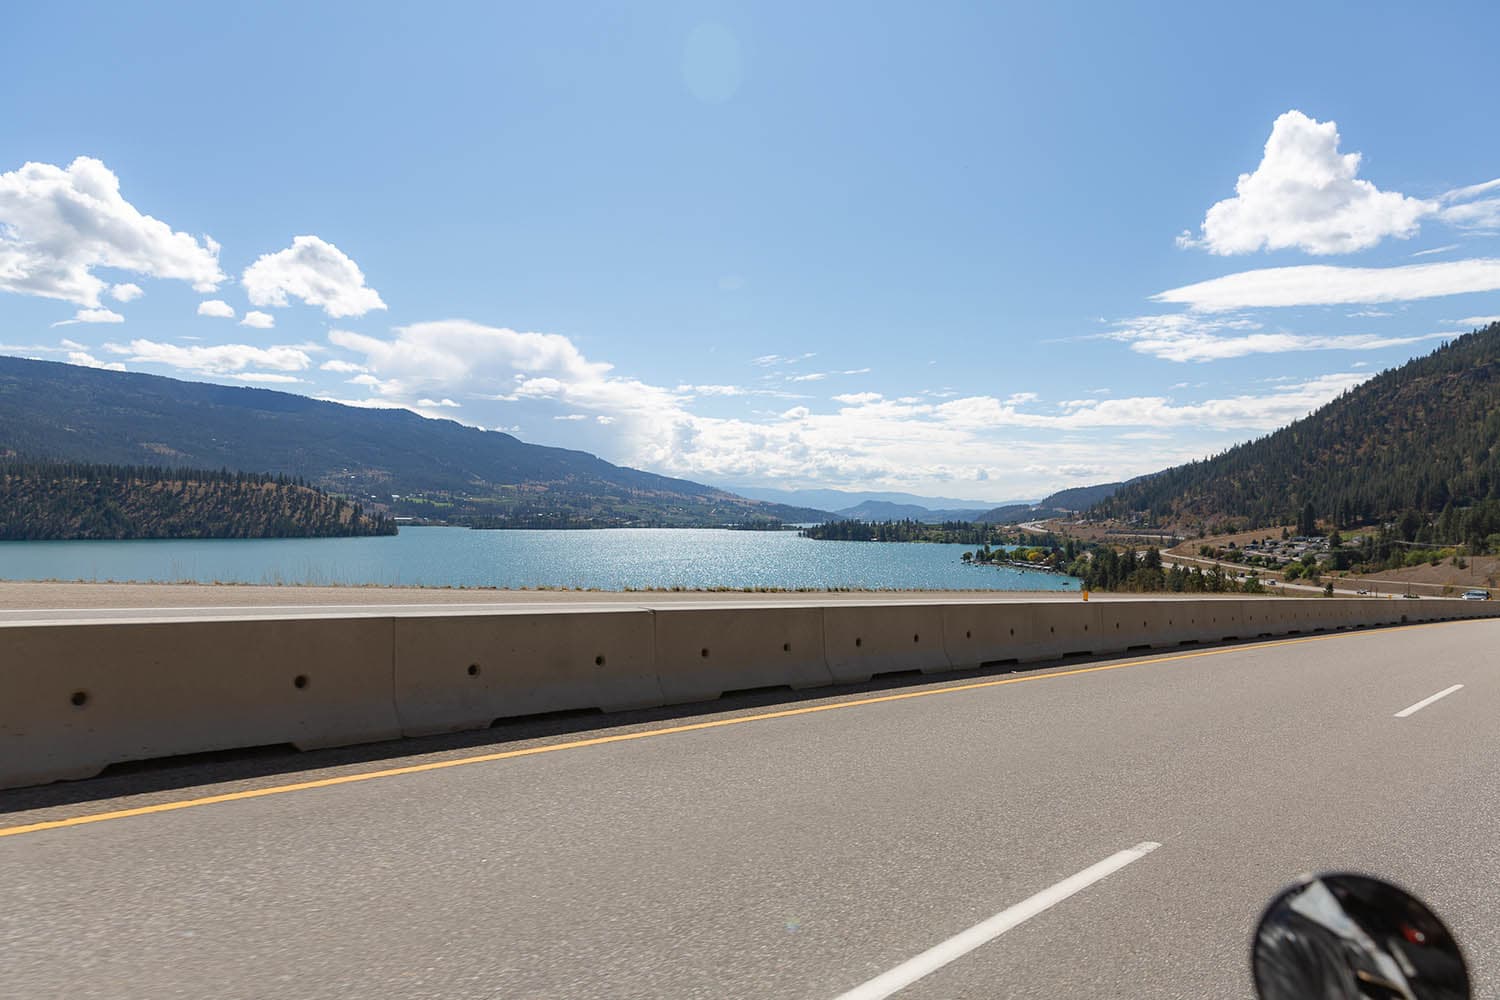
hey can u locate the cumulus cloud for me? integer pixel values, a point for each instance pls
(128, 291)
(217, 308)
(343, 367)
(58, 224)
(315, 271)
(1307, 195)
(857, 398)
(87, 360)
(445, 402)
(903, 442)
(1191, 337)
(1323, 285)
(258, 320)
(92, 316)
(220, 359)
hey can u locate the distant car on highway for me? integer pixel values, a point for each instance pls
(1476, 595)
(1363, 592)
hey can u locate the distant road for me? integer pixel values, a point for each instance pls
(812, 848)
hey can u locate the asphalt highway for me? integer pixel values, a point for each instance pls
(1109, 828)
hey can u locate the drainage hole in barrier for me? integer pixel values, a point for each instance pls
(300, 681)
(703, 652)
(473, 670)
(1012, 631)
(916, 638)
(598, 661)
(79, 699)
(859, 642)
(969, 635)
(1049, 629)
(786, 647)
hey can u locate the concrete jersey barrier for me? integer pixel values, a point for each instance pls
(76, 697)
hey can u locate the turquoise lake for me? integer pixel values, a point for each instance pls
(616, 559)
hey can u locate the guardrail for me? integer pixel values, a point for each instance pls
(77, 697)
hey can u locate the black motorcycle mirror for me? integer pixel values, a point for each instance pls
(1351, 937)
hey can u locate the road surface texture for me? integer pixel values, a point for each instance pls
(801, 848)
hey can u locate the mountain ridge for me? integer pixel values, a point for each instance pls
(412, 465)
(1418, 437)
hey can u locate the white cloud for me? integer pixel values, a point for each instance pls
(868, 439)
(87, 360)
(1442, 249)
(809, 377)
(778, 360)
(571, 416)
(714, 390)
(314, 271)
(1465, 193)
(221, 359)
(1191, 337)
(92, 316)
(1483, 216)
(1306, 194)
(57, 225)
(344, 367)
(269, 378)
(127, 292)
(445, 402)
(1319, 284)
(258, 320)
(1474, 322)
(217, 308)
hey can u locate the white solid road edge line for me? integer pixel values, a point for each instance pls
(1445, 692)
(961, 944)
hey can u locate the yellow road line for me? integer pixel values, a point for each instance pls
(349, 779)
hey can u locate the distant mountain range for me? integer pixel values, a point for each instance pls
(1419, 437)
(935, 510)
(841, 501)
(414, 466)
(1059, 504)
(881, 510)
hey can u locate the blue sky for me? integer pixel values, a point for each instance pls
(935, 248)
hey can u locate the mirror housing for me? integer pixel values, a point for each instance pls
(1350, 936)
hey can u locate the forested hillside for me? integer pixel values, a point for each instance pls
(1420, 437)
(433, 469)
(67, 501)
